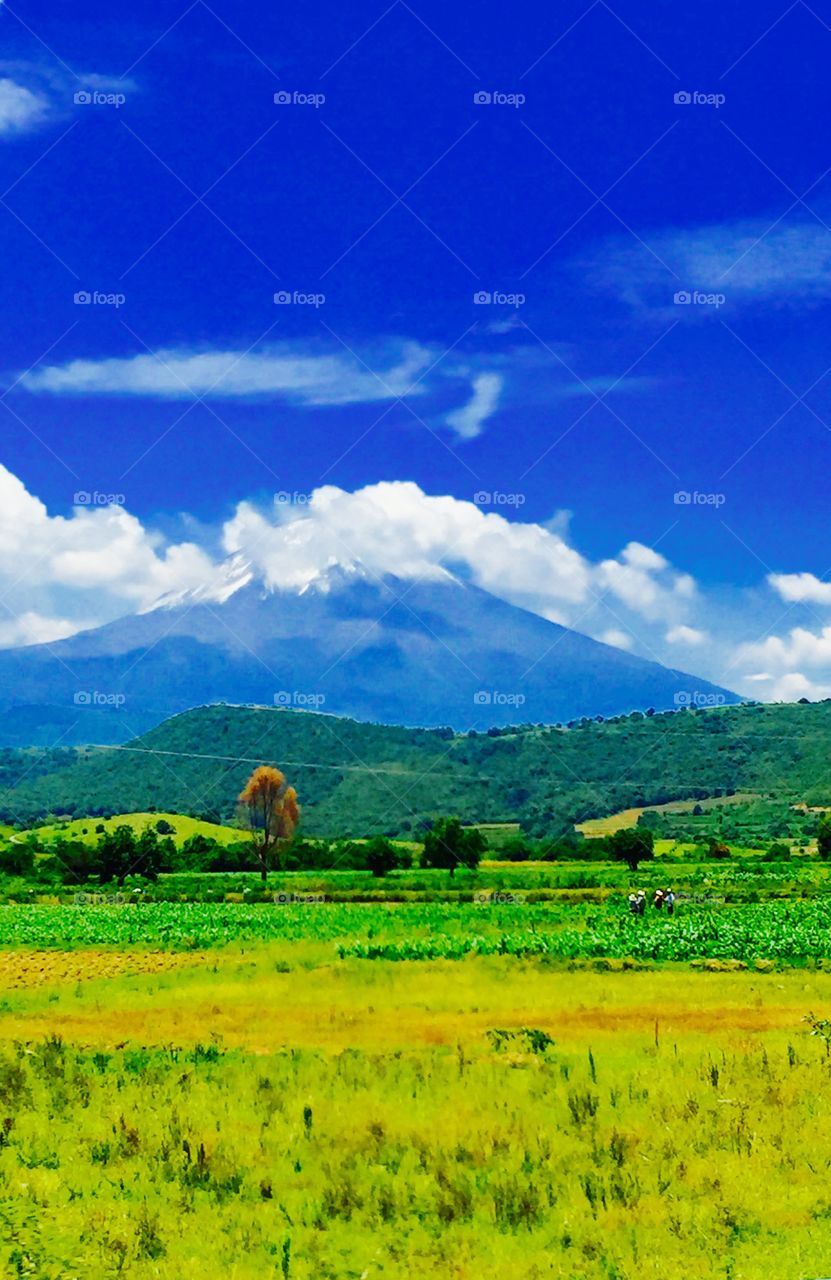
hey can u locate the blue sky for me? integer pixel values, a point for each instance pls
(623, 156)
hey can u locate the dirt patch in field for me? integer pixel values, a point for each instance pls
(55, 968)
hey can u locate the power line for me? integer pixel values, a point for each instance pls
(295, 764)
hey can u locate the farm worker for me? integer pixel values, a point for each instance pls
(633, 904)
(641, 902)
(658, 900)
(670, 900)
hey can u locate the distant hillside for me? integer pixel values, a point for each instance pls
(356, 778)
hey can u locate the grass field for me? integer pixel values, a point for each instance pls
(267, 1114)
(86, 829)
(628, 818)
(503, 1073)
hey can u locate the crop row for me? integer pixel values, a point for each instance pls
(788, 931)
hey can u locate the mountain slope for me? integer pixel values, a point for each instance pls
(357, 778)
(437, 653)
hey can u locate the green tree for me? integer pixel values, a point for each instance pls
(382, 856)
(117, 854)
(449, 845)
(632, 845)
(148, 855)
(824, 836)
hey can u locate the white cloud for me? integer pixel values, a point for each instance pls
(33, 628)
(281, 371)
(62, 573)
(683, 634)
(20, 108)
(799, 648)
(618, 639)
(747, 261)
(803, 588)
(395, 528)
(59, 574)
(794, 685)
(468, 421)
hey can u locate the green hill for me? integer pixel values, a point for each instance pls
(182, 828)
(356, 778)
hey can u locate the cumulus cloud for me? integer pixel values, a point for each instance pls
(59, 574)
(395, 528)
(801, 588)
(618, 639)
(683, 634)
(799, 648)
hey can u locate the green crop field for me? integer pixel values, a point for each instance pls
(345, 1076)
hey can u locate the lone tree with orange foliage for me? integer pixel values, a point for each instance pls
(271, 811)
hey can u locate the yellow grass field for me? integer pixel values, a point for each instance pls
(86, 829)
(268, 1111)
(629, 817)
